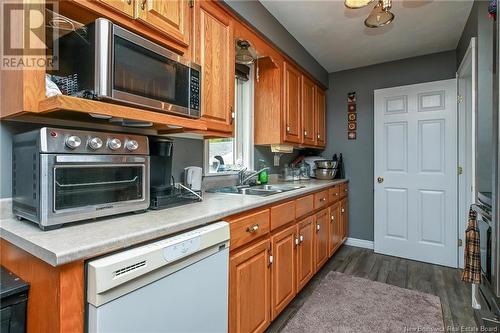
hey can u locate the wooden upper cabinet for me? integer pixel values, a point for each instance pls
(215, 53)
(283, 288)
(308, 112)
(321, 238)
(170, 17)
(305, 252)
(320, 116)
(249, 289)
(124, 6)
(292, 84)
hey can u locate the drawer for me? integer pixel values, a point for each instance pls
(282, 214)
(344, 190)
(246, 228)
(304, 205)
(320, 199)
(334, 193)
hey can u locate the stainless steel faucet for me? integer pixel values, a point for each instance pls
(241, 175)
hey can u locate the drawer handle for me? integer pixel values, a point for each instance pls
(253, 229)
(322, 199)
(143, 4)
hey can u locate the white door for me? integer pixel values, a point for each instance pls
(416, 172)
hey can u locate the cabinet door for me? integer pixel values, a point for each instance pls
(334, 230)
(321, 239)
(320, 116)
(305, 252)
(344, 217)
(284, 269)
(307, 112)
(249, 289)
(215, 54)
(170, 17)
(124, 6)
(292, 104)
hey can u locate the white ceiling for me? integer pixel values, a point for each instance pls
(338, 39)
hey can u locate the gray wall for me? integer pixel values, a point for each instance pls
(261, 19)
(358, 154)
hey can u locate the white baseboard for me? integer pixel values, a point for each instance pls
(359, 243)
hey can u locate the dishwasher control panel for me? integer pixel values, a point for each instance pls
(182, 249)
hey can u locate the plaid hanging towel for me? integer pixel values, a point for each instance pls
(472, 254)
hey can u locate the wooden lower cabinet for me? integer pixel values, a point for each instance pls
(305, 252)
(249, 296)
(344, 218)
(283, 288)
(334, 231)
(321, 239)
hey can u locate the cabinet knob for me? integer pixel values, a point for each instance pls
(380, 180)
(318, 227)
(319, 136)
(129, 2)
(332, 218)
(143, 4)
(287, 128)
(342, 210)
(297, 242)
(253, 229)
(322, 199)
(305, 133)
(301, 239)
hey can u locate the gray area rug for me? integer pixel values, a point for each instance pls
(345, 303)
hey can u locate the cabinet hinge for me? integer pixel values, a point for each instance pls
(460, 242)
(459, 170)
(191, 3)
(460, 99)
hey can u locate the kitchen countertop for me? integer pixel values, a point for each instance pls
(85, 240)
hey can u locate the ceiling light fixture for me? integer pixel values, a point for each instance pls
(380, 15)
(355, 4)
(243, 55)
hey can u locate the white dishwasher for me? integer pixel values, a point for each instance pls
(178, 284)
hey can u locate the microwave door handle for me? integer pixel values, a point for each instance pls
(98, 183)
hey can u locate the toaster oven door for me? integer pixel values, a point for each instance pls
(89, 186)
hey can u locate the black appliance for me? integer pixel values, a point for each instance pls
(13, 300)
(164, 193)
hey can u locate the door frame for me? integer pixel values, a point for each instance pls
(457, 209)
(466, 181)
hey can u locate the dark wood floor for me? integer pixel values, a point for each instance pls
(437, 280)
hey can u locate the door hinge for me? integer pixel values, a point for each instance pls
(460, 242)
(460, 170)
(191, 3)
(460, 99)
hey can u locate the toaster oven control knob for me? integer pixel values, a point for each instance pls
(132, 145)
(114, 144)
(95, 143)
(73, 142)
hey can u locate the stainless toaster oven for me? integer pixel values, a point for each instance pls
(61, 176)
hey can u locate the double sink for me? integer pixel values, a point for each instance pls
(262, 190)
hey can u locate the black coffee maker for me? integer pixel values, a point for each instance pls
(161, 181)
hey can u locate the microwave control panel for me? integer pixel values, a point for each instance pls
(194, 89)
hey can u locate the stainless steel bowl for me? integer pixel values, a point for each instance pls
(325, 164)
(325, 173)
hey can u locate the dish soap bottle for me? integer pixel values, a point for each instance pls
(263, 176)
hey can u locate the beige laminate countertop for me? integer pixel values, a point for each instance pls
(92, 238)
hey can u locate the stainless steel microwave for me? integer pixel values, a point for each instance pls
(107, 62)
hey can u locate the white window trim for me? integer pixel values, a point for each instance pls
(246, 116)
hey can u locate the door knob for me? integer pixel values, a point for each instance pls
(380, 180)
